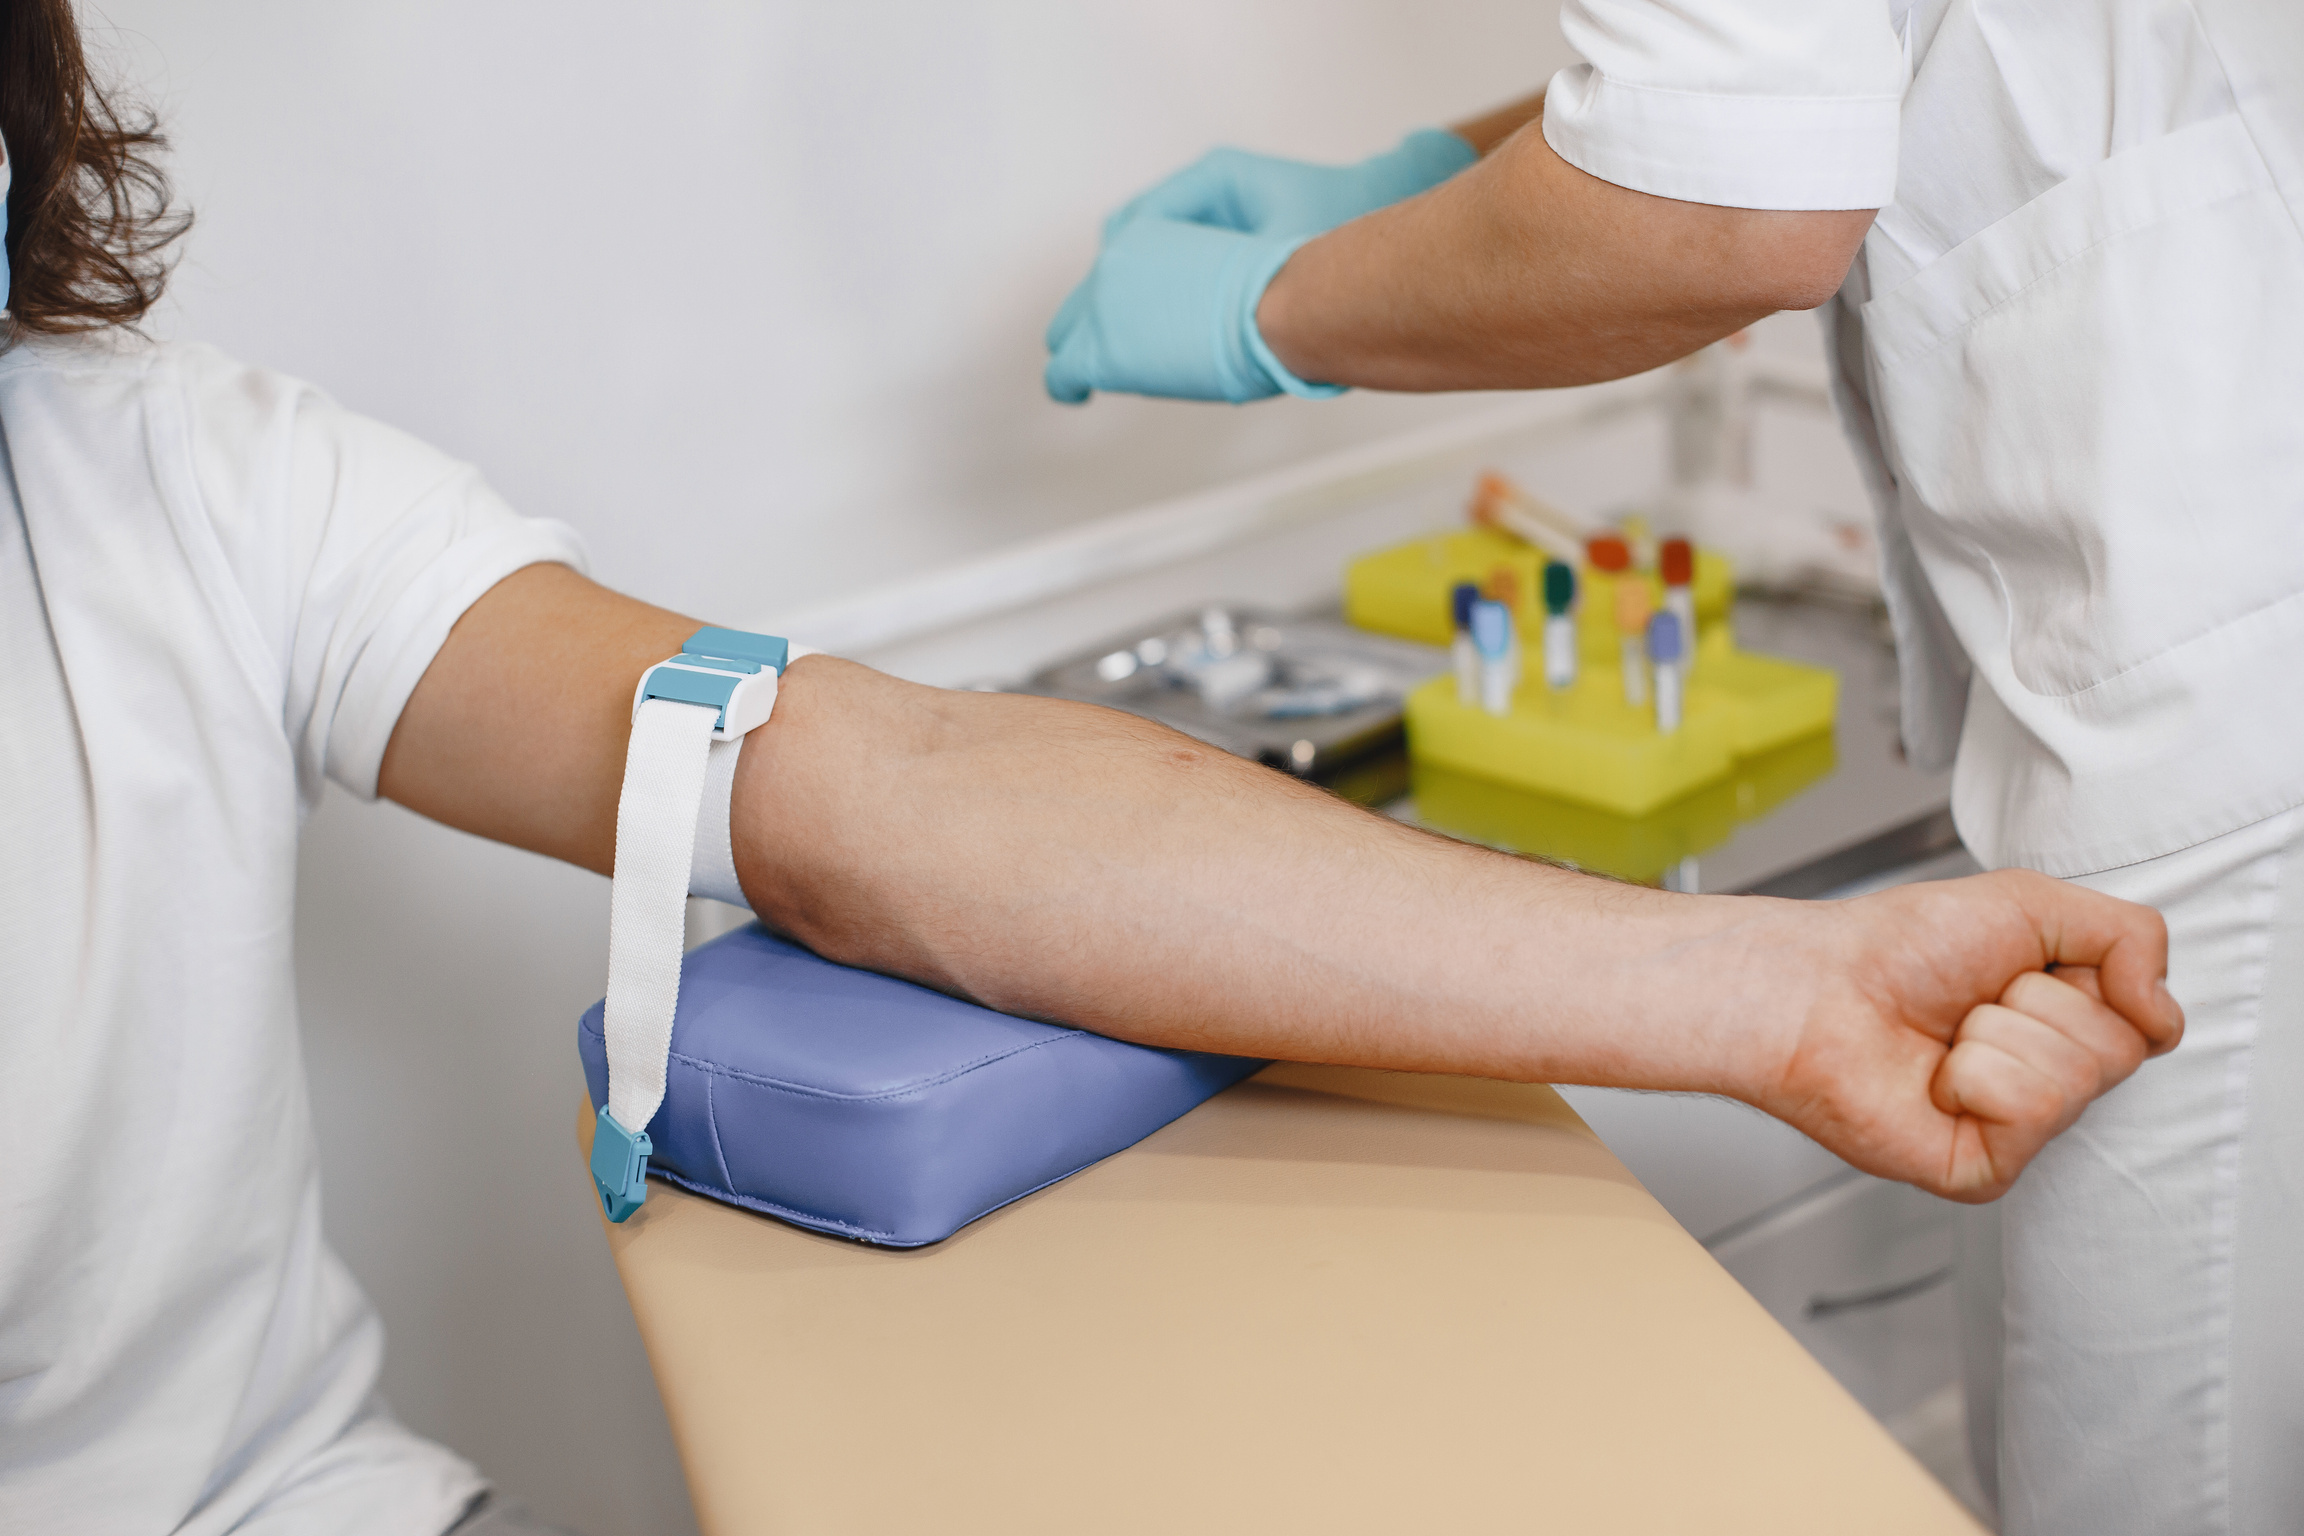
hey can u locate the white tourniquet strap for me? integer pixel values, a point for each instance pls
(712, 863)
(712, 867)
(689, 716)
(655, 837)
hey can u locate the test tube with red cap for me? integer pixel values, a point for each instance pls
(1676, 562)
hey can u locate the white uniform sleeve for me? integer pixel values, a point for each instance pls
(357, 546)
(1740, 103)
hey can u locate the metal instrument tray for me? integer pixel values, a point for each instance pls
(1305, 694)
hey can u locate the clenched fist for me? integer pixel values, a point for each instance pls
(1954, 1027)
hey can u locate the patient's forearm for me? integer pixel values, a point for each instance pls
(1086, 866)
(1081, 864)
(1071, 862)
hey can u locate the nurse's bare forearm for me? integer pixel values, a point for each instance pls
(1523, 272)
(1490, 129)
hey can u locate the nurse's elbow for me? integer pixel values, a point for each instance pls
(1799, 260)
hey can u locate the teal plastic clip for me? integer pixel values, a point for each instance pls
(620, 1166)
(729, 671)
(713, 690)
(738, 645)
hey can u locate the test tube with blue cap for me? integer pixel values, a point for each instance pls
(1499, 672)
(1668, 655)
(1504, 587)
(1460, 648)
(1676, 563)
(1560, 624)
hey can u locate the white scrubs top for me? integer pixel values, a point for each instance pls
(2071, 356)
(217, 589)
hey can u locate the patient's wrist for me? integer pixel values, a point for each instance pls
(1724, 1011)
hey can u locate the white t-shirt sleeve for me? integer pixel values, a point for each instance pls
(357, 546)
(1788, 104)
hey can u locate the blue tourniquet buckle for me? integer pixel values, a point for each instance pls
(727, 670)
(620, 1166)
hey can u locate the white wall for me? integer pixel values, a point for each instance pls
(766, 279)
(774, 271)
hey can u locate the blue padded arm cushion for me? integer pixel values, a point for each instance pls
(858, 1104)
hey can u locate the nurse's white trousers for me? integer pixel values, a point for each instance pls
(2152, 1258)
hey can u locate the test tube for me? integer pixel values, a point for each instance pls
(1633, 606)
(1460, 649)
(1504, 587)
(1492, 637)
(1560, 624)
(1676, 561)
(1665, 652)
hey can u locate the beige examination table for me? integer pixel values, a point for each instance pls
(1328, 1301)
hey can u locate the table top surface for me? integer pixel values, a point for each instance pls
(1329, 1299)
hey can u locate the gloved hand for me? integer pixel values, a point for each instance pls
(1170, 306)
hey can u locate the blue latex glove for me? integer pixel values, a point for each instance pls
(1170, 306)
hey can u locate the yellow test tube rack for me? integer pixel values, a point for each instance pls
(1585, 743)
(1639, 848)
(1404, 590)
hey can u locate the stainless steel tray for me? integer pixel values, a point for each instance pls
(1306, 694)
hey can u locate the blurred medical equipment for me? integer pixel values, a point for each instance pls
(1560, 625)
(1665, 655)
(1303, 694)
(1710, 402)
(1597, 731)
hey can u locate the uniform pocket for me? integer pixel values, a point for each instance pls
(2095, 408)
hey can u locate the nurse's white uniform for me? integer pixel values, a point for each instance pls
(217, 589)
(2071, 356)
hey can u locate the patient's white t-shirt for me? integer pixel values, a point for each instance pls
(217, 589)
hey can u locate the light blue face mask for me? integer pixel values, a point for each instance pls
(7, 174)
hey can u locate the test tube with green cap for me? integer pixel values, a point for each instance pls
(1560, 624)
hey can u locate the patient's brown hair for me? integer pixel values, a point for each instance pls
(89, 209)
